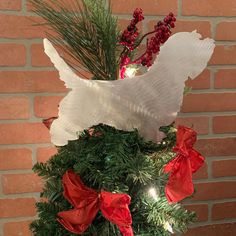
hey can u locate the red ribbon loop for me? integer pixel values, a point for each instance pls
(87, 202)
(181, 168)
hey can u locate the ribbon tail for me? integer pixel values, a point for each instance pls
(180, 183)
(115, 208)
(70, 222)
(196, 160)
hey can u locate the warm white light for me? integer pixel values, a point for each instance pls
(130, 72)
(153, 193)
(168, 227)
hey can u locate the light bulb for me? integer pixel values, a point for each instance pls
(167, 226)
(130, 72)
(153, 193)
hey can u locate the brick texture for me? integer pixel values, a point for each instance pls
(200, 209)
(21, 27)
(30, 82)
(213, 230)
(46, 106)
(200, 123)
(14, 159)
(207, 102)
(215, 190)
(223, 55)
(17, 228)
(31, 90)
(150, 7)
(209, 8)
(12, 54)
(23, 133)
(21, 183)
(224, 31)
(225, 79)
(38, 57)
(201, 82)
(223, 168)
(224, 124)
(18, 207)
(10, 5)
(224, 210)
(14, 108)
(44, 154)
(217, 147)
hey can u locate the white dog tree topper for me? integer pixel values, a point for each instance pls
(145, 102)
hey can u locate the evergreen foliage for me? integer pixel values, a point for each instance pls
(115, 161)
(86, 30)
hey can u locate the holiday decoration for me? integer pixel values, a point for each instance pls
(87, 203)
(186, 162)
(139, 102)
(116, 172)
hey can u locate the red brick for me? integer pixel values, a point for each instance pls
(68, 4)
(46, 106)
(150, 7)
(13, 159)
(226, 210)
(217, 147)
(38, 57)
(201, 173)
(200, 124)
(44, 154)
(223, 55)
(208, 102)
(30, 81)
(18, 207)
(224, 124)
(228, 229)
(10, 5)
(201, 82)
(200, 209)
(17, 228)
(21, 27)
(12, 54)
(223, 168)
(215, 190)
(23, 133)
(224, 31)
(209, 7)
(202, 27)
(14, 108)
(225, 79)
(21, 183)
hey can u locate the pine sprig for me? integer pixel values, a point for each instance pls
(87, 32)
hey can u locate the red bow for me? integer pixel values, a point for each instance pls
(87, 203)
(186, 162)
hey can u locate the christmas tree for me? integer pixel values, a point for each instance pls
(106, 180)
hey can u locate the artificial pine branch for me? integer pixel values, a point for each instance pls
(115, 161)
(87, 32)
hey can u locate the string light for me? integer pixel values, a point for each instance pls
(168, 227)
(130, 72)
(153, 193)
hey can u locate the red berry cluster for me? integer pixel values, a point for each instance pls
(162, 33)
(131, 33)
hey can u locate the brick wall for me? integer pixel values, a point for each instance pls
(30, 90)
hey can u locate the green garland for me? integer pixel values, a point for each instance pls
(116, 161)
